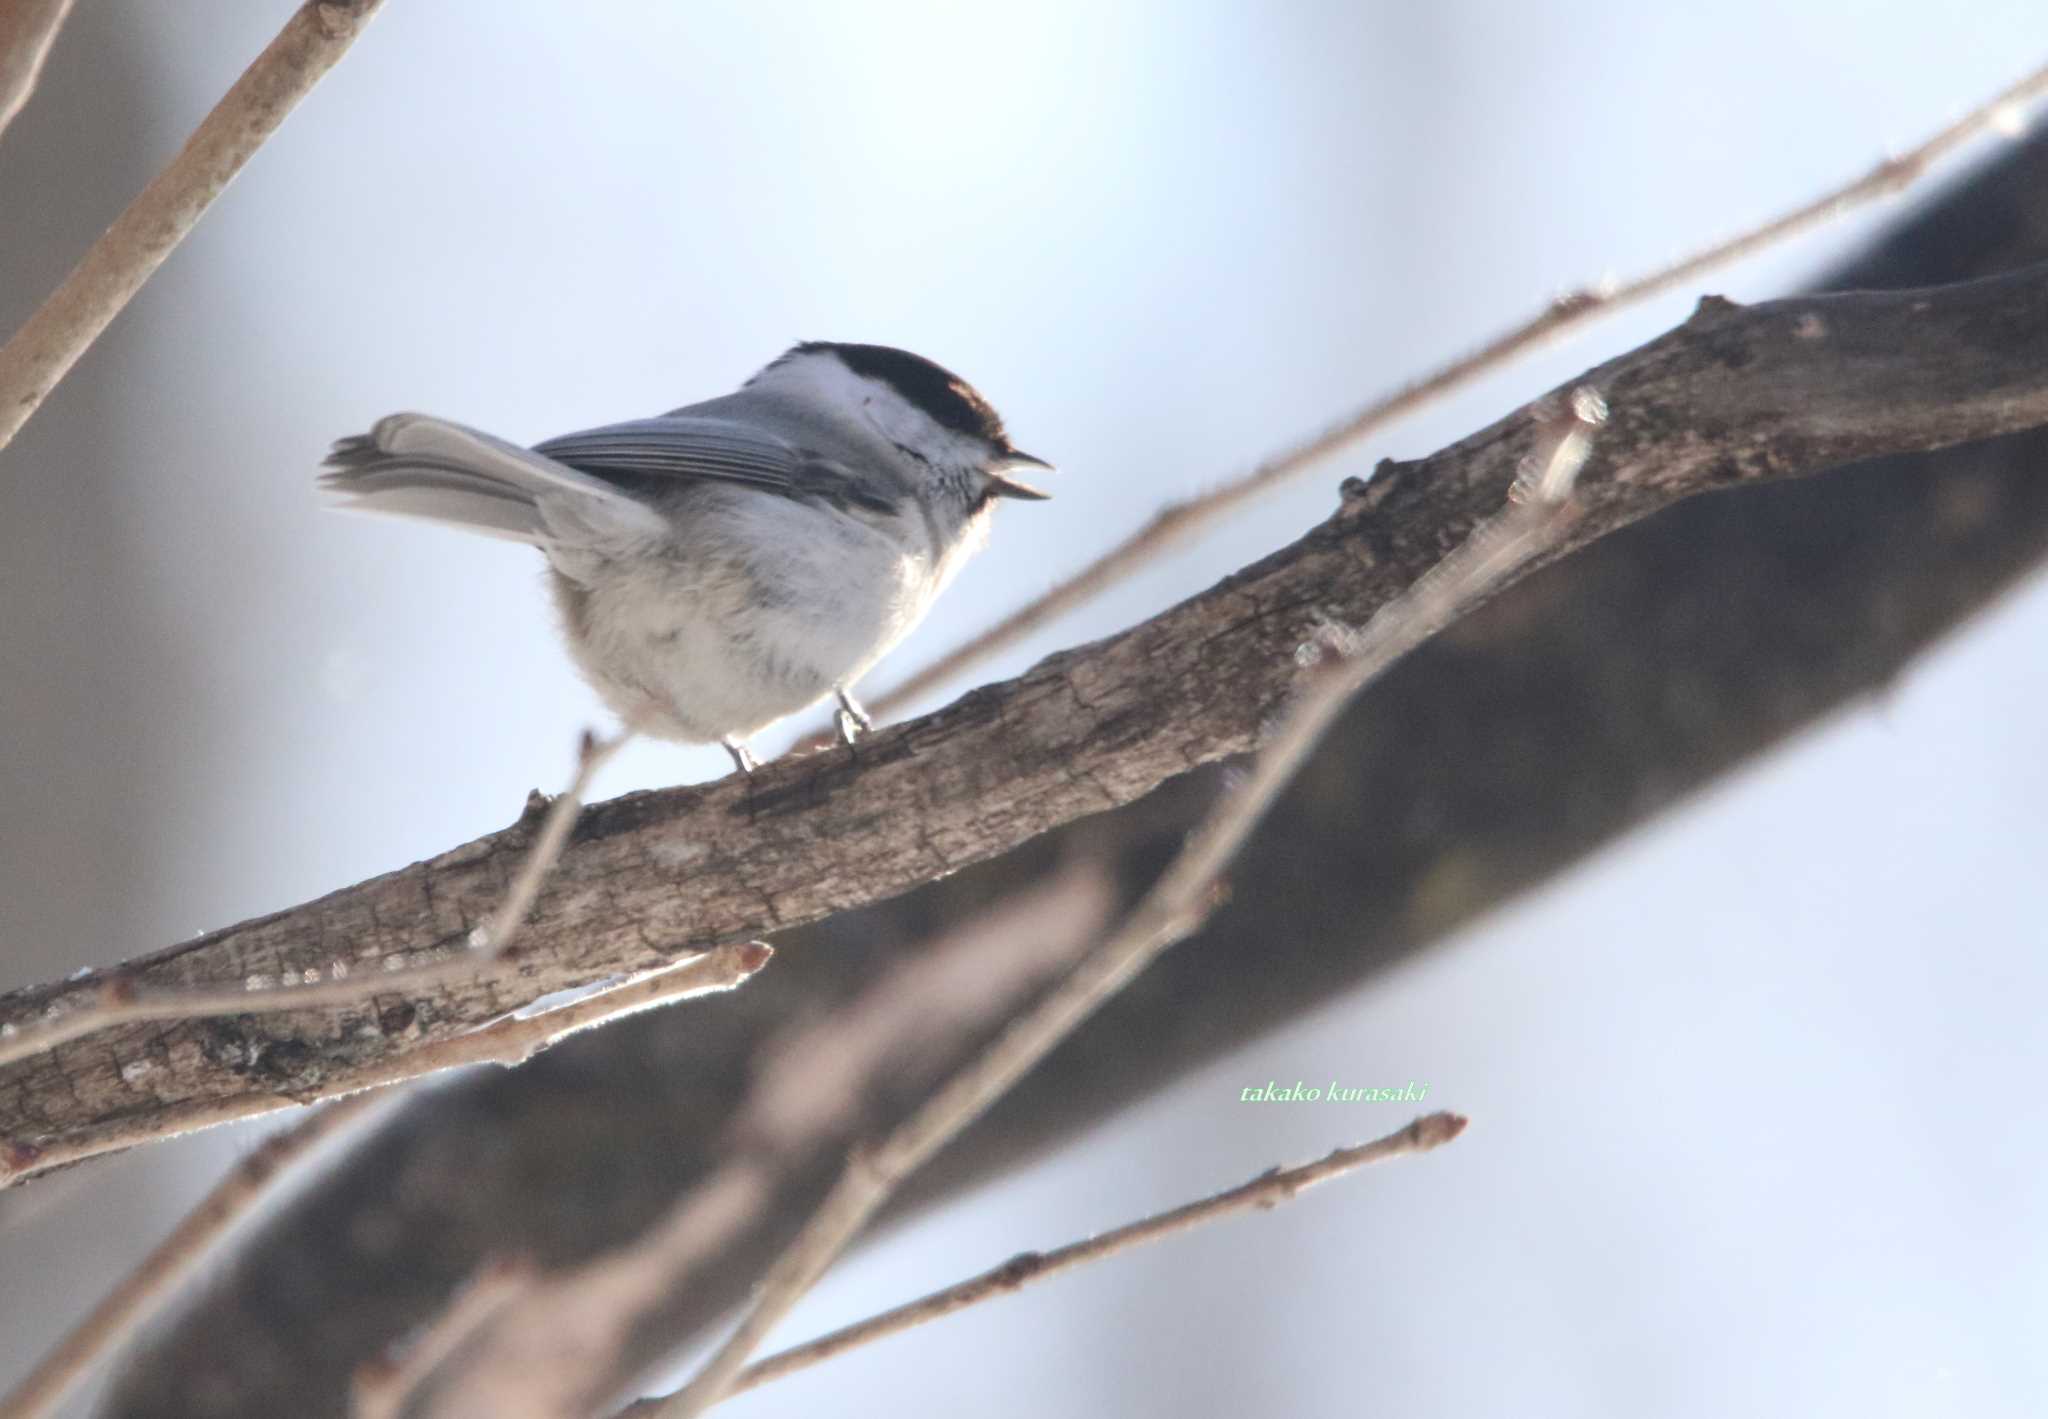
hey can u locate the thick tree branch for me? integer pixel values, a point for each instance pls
(1607, 688)
(1735, 395)
(43, 351)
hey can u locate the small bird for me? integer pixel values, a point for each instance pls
(731, 562)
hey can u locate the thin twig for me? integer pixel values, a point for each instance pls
(139, 1295)
(382, 1386)
(114, 268)
(27, 30)
(508, 1042)
(1265, 1191)
(121, 1001)
(513, 1041)
(1177, 521)
(1537, 514)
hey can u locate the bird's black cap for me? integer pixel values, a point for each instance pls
(951, 401)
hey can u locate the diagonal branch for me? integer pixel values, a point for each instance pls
(1266, 1191)
(43, 351)
(1735, 395)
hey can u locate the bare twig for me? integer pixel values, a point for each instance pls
(137, 1297)
(382, 1386)
(1265, 1191)
(120, 1001)
(513, 1041)
(1175, 522)
(27, 30)
(1533, 522)
(44, 350)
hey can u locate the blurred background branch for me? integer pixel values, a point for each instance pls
(43, 351)
(27, 30)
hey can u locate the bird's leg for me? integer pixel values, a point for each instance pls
(742, 758)
(851, 718)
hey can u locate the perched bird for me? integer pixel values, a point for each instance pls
(731, 562)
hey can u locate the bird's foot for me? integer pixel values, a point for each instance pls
(852, 720)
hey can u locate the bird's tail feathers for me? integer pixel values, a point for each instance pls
(415, 465)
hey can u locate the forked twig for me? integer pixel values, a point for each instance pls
(1177, 521)
(1538, 512)
(43, 351)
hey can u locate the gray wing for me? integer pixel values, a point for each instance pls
(707, 448)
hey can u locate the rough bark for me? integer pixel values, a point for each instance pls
(1735, 395)
(1599, 691)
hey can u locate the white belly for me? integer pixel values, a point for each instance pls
(727, 641)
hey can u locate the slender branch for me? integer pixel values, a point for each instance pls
(1532, 524)
(1176, 522)
(1269, 1189)
(139, 1295)
(43, 351)
(382, 1386)
(1735, 395)
(513, 1041)
(27, 30)
(120, 1001)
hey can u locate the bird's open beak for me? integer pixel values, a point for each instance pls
(1002, 485)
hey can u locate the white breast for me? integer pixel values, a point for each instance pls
(798, 601)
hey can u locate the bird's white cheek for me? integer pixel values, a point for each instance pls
(973, 537)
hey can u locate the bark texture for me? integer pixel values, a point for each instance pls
(1604, 688)
(1735, 395)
